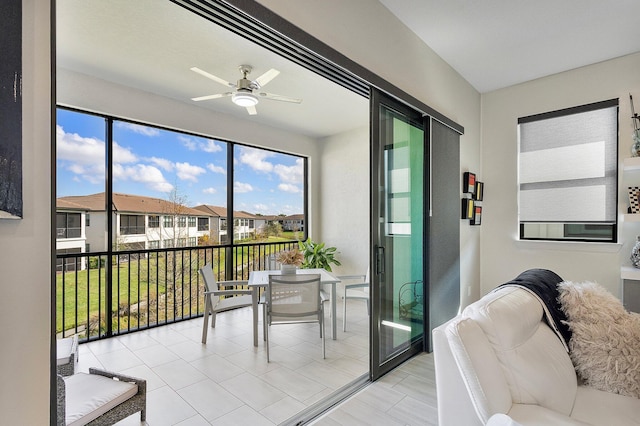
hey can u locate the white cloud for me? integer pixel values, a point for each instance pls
(210, 146)
(137, 128)
(210, 190)
(287, 187)
(240, 187)
(188, 142)
(255, 158)
(260, 208)
(291, 174)
(85, 157)
(193, 144)
(150, 176)
(163, 163)
(216, 169)
(186, 171)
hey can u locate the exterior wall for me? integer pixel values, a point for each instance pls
(27, 246)
(503, 257)
(96, 232)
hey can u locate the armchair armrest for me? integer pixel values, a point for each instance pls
(227, 292)
(352, 277)
(233, 283)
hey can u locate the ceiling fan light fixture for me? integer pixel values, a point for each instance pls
(244, 99)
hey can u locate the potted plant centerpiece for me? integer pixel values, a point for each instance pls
(316, 255)
(290, 260)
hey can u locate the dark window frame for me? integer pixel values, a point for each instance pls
(576, 231)
(134, 224)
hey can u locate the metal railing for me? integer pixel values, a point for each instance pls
(103, 294)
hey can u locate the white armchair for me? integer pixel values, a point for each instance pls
(499, 356)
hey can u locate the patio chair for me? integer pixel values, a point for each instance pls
(218, 298)
(99, 398)
(67, 355)
(362, 282)
(294, 298)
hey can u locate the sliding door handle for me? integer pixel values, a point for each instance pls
(380, 260)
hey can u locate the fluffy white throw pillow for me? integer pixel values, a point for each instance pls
(605, 341)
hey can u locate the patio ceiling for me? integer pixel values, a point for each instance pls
(151, 45)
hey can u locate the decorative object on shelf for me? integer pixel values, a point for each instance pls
(635, 254)
(478, 194)
(289, 260)
(316, 255)
(635, 147)
(469, 183)
(467, 208)
(634, 201)
(477, 216)
(473, 193)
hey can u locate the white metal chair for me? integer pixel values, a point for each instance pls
(294, 298)
(214, 303)
(361, 282)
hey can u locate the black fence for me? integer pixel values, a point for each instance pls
(103, 294)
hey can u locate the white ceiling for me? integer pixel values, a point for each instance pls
(151, 45)
(499, 43)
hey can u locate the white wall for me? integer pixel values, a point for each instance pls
(502, 257)
(344, 197)
(367, 33)
(25, 245)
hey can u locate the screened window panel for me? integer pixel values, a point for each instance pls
(568, 165)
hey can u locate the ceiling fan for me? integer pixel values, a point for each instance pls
(246, 92)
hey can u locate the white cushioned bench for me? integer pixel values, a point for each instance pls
(99, 398)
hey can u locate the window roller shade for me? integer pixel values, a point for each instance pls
(568, 167)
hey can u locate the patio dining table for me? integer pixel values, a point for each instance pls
(260, 279)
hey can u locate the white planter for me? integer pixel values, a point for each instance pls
(288, 269)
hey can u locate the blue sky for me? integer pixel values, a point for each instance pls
(154, 162)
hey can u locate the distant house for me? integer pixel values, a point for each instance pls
(150, 223)
(138, 223)
(294, 222)
(71, 222)
(243, 223)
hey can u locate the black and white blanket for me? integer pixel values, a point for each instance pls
(543, 284)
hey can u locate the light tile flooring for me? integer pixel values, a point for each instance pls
(229, 382)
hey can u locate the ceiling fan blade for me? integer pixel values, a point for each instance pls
(252, 110)
(267, 77)
(208, 97)
(212, 77)
(281, 98)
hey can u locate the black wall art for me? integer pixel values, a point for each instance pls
(11, 109)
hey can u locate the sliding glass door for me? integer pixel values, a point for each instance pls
(400, 174)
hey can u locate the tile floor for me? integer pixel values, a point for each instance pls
(229, 382)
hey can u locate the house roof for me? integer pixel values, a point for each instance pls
(65, 204)
(126, 203)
